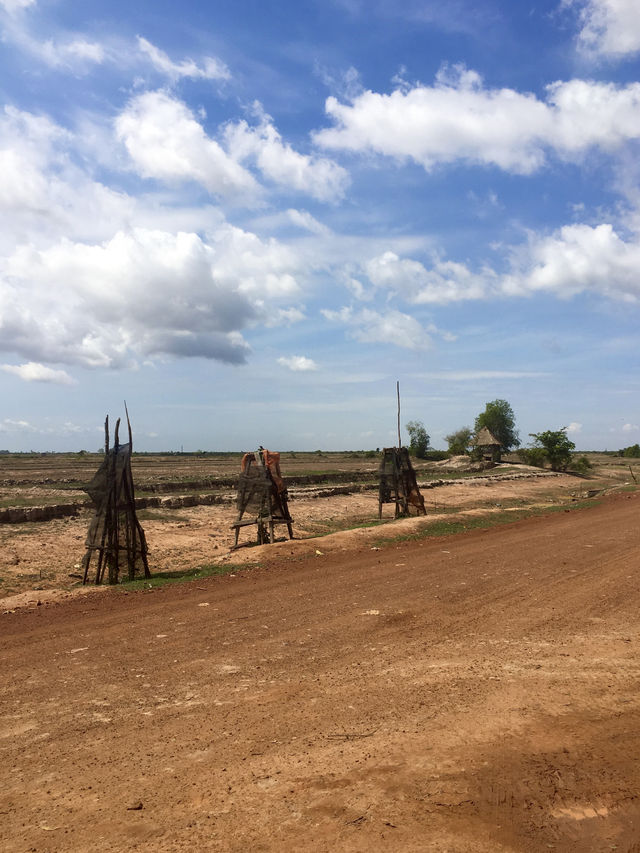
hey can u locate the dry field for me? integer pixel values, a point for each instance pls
(38, 558)
(470, 693)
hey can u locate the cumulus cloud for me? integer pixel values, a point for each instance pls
(577, 258)
(609, 28)
(298, 363)
(141, 293)
(165, 141)
(211, 69)
(459, 119)
(574, 428)
(26, 150)
(44, 191)
(262, 145)
(574, 259)
(444, 282)
(109, 294)
(630, 428)
(34, 372)
(390, 327)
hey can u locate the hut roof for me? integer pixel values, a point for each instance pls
(486, 439)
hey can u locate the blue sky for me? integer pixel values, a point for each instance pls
(249, 219)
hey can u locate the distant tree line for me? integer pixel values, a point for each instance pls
(552, 448)
(631, 452)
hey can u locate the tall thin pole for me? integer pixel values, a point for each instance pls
(398, 394)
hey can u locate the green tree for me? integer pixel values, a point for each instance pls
(632, 452)
(557, 446)
(418, 439)
(459, 441)
(499, 419)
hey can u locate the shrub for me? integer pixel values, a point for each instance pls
(581, 465)
(533, 456)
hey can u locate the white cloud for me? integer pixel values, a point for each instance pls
(610, 28)
(212, 69)
(458, 119)
(282, 316)
(142, 293)
(390, 327)
(44, 190)
(630, 428)
(34, 372)
(12, 6)
(574, 259)
(166, 142)
(445, 282)
(319, 177)
(298, 363)
(574, 428)
(13, 425)
(303, 219)
(75, 54)
(26, 148)
(578, 258)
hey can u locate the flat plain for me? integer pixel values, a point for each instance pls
(392, 686)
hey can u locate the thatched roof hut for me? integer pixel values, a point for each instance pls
(488, 444)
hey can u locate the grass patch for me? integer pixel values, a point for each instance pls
(184, 576)
(451, 528)
(326, 528)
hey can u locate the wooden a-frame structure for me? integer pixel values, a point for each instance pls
(115, 534)
(398, 483)
(262, 496)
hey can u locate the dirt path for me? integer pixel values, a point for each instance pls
(471, 693)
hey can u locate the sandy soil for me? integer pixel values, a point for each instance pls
(36, 558)
(469, 693)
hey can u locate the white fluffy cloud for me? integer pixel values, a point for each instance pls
(166, 142)
(211, 68)
(574, 259)
(319, 177)
(574, 428)
(609, 27)
(44, 192)
(142, 293)
(80, 285)
(445, 282)
(578, 258)
(298, 363)
(34, 372)
(390, 327)
(630, 428)
(458, 119)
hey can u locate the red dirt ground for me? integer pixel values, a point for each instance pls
(468, 693)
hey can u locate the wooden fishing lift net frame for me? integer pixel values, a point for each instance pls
(115, 533)
(262, 495)
(398, 483)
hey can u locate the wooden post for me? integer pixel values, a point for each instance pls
(398, 394)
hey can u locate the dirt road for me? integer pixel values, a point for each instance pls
(471, 693)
